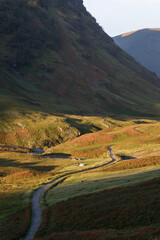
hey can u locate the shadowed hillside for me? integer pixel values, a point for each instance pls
(143, 45)
(55, 57)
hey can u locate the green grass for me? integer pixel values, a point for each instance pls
(85, 183)
(21, 173)
(29, 128)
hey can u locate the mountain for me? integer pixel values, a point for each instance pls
(144, 46)
(55, 57)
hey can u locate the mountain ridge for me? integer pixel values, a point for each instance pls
(143, 45)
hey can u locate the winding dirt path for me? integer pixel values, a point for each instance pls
(36, 207)
(136, 129)
(111, 154)
(37, 211)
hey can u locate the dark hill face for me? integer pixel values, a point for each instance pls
(144, 46)
(54, 55)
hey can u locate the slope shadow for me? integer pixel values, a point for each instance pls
(57, 155)
(123, 157)
(141, 122)
(82, 127)
(30, 166)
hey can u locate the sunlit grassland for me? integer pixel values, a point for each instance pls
(134, 140)
(145, 144)
(95, 181)
(130, 139)
(21, 173)
(34, 129)
(29, 128)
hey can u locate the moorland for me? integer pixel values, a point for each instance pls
(81, 115)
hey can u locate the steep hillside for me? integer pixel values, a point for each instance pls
(143, 45)
(55, 57)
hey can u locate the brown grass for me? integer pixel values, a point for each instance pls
(15, 149)
(15, 225)
(142, 233)
(132, 164)
(132, 132)
(20, 175)
(93, 138)
(94, 152)
(124, 213)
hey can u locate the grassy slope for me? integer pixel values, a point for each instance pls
(136, 138)
(96, 181)
(131, 207)
(33, 129)
(127, 138)
(20, 173)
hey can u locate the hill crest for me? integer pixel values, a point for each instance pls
(143, 45)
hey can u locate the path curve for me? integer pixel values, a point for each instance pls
(136, 129)
(111, 154)
(36, 207)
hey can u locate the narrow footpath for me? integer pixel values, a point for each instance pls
(111, 154)
(136, 129)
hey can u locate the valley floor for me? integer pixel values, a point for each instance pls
(102, 185)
